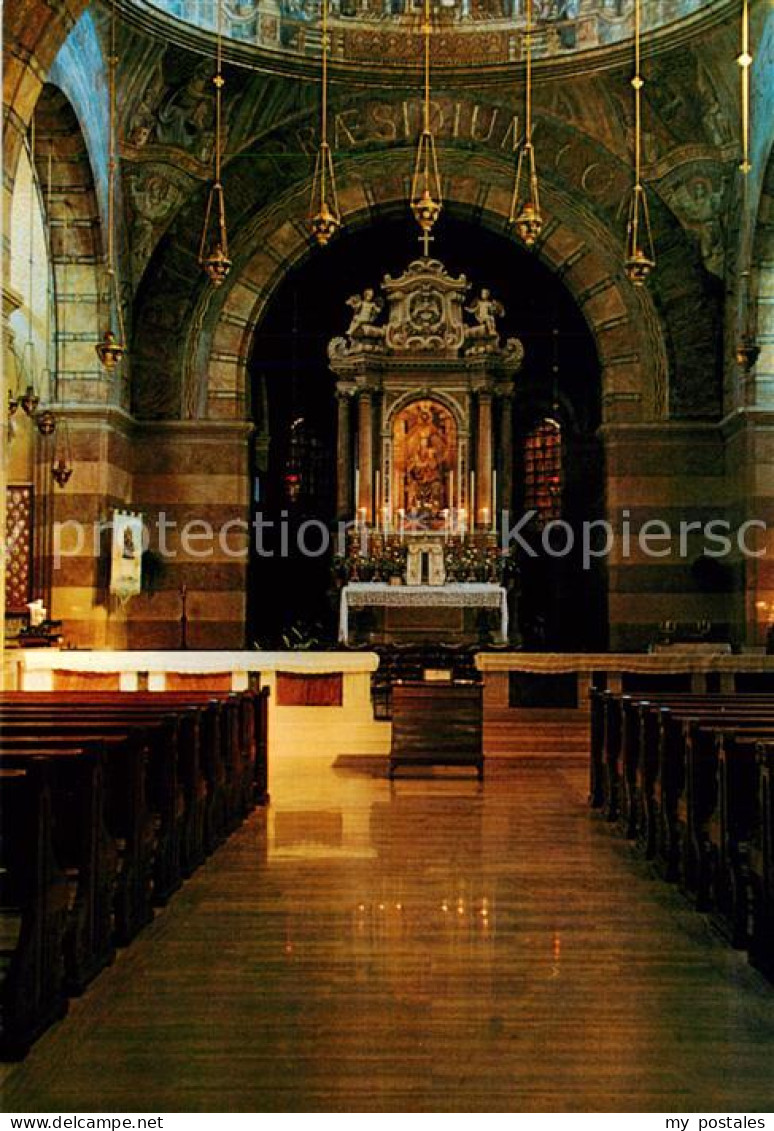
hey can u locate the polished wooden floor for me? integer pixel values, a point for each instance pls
(435, 946)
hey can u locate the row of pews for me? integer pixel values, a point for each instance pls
(690, 779)
(108, 801)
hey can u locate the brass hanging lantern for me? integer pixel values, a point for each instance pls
(525, 212)
(426, 195)
(324, 214)
(640, 255)
(747, 349)
(213, 246)
(29, 401)
(111, 349)
(61, 471)
(62, 462)
(45, 422)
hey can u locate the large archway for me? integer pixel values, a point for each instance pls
(292, 394)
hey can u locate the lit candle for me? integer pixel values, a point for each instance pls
(377, 498)
(450, 500)
(472, 501)
(402, 523)
(463, 521)
(446, 521)
(494, 501)
(485, 517)
(363, 513)
(386, 520)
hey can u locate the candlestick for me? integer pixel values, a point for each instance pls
(377, 497)
(472, 502)
(494, 501)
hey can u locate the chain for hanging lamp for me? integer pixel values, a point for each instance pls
(640, 253)
(525, 213)
(30, 398)
(213, 248)
(747, 349)
(111, 349)
(745, 61)
(324, 214)
(426, 196)
(46, 420)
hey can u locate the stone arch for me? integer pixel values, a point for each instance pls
(575, 245)
(76, 244)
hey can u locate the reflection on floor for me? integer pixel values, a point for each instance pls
(431, 947)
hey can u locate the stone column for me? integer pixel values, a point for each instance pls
(343, 458)
(484, 457)
(365, 453)
(506, 452)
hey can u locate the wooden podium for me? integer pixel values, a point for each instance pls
(437, 724)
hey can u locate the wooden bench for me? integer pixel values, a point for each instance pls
(33, 911)
(688, 777)
(138, 789)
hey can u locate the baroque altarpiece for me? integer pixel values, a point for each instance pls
(425, 387)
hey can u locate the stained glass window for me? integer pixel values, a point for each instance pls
(543, 470)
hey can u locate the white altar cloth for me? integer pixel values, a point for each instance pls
(461, 595)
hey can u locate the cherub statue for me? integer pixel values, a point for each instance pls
(485, 310)
(367, 309)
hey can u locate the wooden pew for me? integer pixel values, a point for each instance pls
(33, 911)
(84, 849)
(694, 774)
(142, 786)
(761, 944)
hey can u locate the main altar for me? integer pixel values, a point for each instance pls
(424, 465)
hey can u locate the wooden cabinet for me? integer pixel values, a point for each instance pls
(437, 724)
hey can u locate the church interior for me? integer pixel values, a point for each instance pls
(387, 480)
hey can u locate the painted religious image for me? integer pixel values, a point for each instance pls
(425, 449)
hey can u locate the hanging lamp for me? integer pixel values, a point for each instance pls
(62, 462)
(640, 255)
(426, 196)
(324, 214)
(111, 349)
(525, 213)
(213, 248)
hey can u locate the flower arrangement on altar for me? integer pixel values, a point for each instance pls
(380, 559)
(375, 559)
(472, 561)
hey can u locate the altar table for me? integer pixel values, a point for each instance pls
(461, 595)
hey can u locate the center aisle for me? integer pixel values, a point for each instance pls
(431, 947)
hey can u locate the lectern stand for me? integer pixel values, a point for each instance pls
(437, 724)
